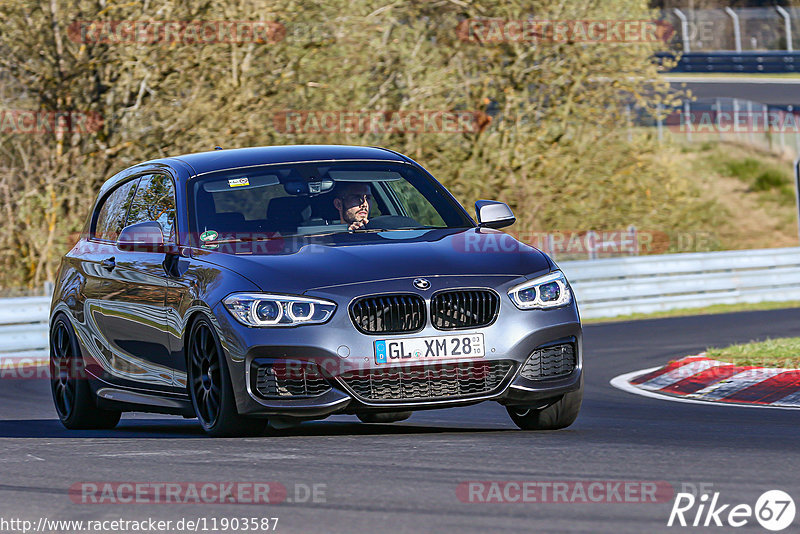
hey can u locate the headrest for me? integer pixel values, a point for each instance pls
(288, 210)
(322, 207)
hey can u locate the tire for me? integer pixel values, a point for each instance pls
(557, 415)
(74, 401)
(387, 417)
(209, 385)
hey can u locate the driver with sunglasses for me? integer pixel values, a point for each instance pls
(353, 201)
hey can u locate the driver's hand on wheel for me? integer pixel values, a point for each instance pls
(358, 224)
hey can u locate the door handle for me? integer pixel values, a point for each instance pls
(108, 264)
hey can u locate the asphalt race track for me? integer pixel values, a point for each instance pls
(403, 477)
(773, 91)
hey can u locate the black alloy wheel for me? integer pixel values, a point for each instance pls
(210, 386)
(74, 400)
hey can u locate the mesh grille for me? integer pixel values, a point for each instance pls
(550, 362)
(428, 381)
(388, 314)
(451, 310)
(280, 381)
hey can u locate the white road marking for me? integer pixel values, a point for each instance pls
(233, 457)
(622, 382)
(20, 459)
(153, 453)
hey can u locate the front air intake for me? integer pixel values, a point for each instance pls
(550, 362)
(428, 382)
(282, 380)
(388, 314)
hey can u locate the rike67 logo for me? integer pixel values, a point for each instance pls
(774, 510)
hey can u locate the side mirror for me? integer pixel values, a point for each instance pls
(492, 214)
(142, 237)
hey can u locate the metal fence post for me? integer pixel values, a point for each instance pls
(634, 241)
(737, 33)
(767, 133)
(684, 30)
(795, 126)
(797, 192)
(659, 122)
(787, 25)
(796, 141)
(628, 120)
(687, 112)
(591, 244)
(782, 133)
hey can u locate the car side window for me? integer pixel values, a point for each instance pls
(415, 203)
(155, 201)
(110, 218)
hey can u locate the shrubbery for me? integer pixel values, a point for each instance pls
(553, 142)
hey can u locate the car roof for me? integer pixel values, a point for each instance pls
(216, 160)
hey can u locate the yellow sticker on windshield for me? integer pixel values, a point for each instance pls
(238, 182)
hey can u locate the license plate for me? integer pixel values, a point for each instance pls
(428, 348)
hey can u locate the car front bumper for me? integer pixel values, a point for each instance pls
(337, 348)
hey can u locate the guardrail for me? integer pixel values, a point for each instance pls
(604, 288)
(23, 328)
(645, 284)
(745, 62)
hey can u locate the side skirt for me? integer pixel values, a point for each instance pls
(131, 401)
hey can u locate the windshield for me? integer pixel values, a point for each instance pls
(307, 199)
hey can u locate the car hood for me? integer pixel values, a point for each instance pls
(297, 265)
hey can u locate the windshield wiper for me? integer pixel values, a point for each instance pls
(375, 230)
(242, 240)
(321, 234)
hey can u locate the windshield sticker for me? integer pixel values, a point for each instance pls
(209, 235)
(239, 182)
(210, 246)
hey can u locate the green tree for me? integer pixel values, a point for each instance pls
(552, 141)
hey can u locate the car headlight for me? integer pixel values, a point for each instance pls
(261, 309)
(548, 291)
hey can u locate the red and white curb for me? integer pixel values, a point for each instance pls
(702, 380)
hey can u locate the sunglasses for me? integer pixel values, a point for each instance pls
(353, 200)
